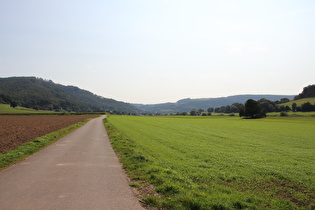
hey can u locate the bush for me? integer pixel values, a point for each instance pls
(283, 114)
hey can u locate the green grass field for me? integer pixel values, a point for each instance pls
(219, 162)
(300, 102)
(5, 108)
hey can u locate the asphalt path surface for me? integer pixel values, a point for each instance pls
(79, 171)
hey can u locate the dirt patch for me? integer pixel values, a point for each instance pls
(16, 130)
(298, 194)
(141, 190)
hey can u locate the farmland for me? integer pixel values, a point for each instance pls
(219, 162)
(16, 130)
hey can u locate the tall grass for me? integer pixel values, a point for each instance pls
(220, 162)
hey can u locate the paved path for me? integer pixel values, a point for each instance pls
(80, 171)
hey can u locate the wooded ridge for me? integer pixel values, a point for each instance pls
(41, 94)
(37, 93)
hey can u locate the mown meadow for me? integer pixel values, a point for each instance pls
(218, 162)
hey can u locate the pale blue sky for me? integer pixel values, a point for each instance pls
(156, 51)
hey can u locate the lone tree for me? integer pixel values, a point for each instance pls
(294, 107)
(252, 109)
(13, 104)
(193, 112)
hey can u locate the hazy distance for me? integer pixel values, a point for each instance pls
(162, 51)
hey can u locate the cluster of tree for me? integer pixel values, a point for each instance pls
(195, 112)
(37, 93)
(5, 99)
(234, 108)
(269, 106)
(306, 107)
(182, 113)
(252, 109)
(308, 92)
(255, 109)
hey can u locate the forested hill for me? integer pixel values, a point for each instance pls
(186, 105)
(42, 94)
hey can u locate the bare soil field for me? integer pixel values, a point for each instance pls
(16, 130)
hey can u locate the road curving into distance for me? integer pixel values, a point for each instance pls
(79, 171)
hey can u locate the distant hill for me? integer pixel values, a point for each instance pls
(37, 93)
(186, 105)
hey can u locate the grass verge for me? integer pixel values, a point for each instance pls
(29, 148)
(218, 163)
(133, 163)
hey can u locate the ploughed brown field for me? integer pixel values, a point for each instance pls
(16, 130)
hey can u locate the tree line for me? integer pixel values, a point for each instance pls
(264, 104)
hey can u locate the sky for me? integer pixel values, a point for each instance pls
(156, 51)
